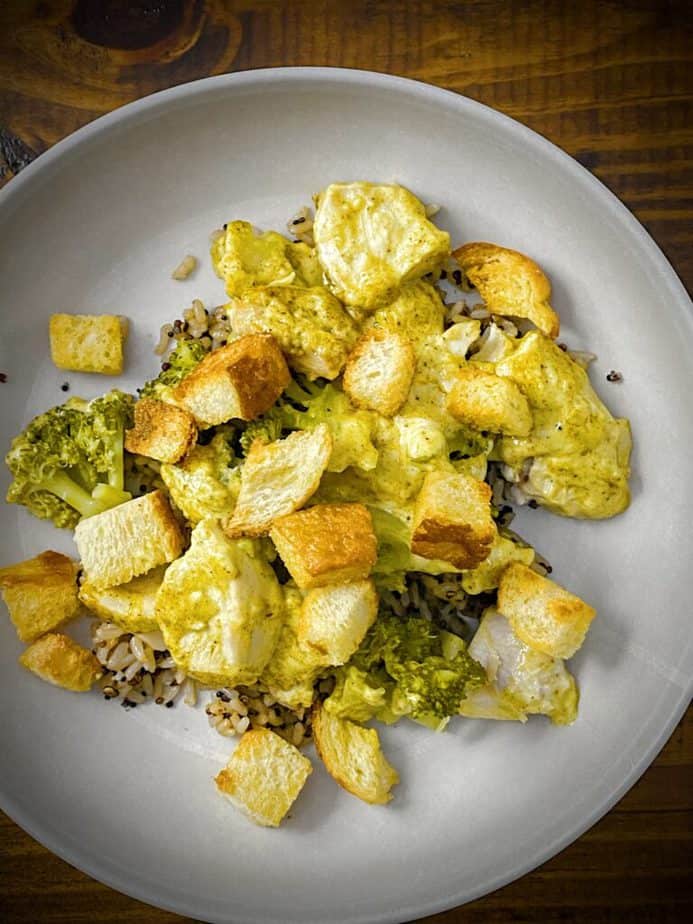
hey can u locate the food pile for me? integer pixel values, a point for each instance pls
(306, 512)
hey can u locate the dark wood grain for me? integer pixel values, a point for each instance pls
(610, 82)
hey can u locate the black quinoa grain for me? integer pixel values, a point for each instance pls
(562, 346)
(3, 377)
(443, 274)
(614, 376)
(457, 277)
(165, 367)
(169, 704)
(533, 504)
(65, 386)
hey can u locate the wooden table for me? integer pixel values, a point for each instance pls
(610, 82)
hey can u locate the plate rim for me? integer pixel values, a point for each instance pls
(459, 102)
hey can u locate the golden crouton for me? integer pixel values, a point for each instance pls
(41, 593)
(88, 342)
(486, 401)
(264, 776)
(126, 541)
(335, 619)
(379, 371)
(162, 431)
(543, 614)
(452, 520)
(130, 606)
(326, 544)
(242, 379)
(278, 478)
(510, 284)
(353, 757)
(62, 662)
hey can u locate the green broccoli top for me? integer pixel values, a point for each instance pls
(68, 462)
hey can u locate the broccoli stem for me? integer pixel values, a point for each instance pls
(109, 496)
(66, 489)
(116, 476)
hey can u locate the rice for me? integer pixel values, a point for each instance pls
(232, 711)
(186, 266)
(137, 668)
(507, 486)
(301, 226)
(197, 318)
(165, 336)
(440, 598)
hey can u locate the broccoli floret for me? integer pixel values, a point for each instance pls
(306, 404)
(68, 462)
(181, 361)
(408, 662)
(101, 432)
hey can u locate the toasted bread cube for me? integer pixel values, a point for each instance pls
(510, 284)
(41, 593)
(379, 371)
(264, 776)
(326, 544)
(88, 342)
(335, 619)
(353, 757)
(278, 478)
(162, 431)
(240, 380)
(452, 520)
(59, 660)
(486, 401)
(126, 541)
(130, 606)
(543, 614)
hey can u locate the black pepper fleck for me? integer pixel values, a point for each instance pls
(457, 277)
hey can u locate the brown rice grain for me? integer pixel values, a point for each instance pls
(186, 266)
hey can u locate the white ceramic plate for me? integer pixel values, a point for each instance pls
(97, 225)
